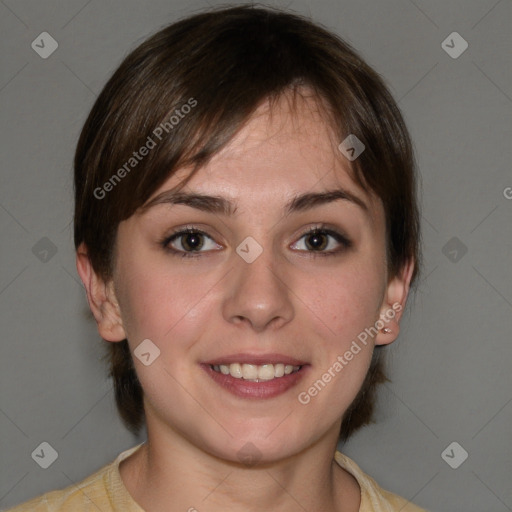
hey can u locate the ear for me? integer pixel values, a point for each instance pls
(101, 297)
(393, 305)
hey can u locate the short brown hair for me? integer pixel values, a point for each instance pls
(228, 61)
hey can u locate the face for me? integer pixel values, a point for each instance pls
(272, 276)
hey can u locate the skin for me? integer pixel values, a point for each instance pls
(290, 300)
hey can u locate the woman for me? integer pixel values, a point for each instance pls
(247, 233)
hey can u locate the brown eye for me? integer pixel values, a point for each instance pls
(189, 242)
(322, 242)
(192, 241)
(316, 241)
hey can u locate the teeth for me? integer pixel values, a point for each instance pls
(256, 373)
(288, 369)
(249, 372)
(266, 372)
(235, 370)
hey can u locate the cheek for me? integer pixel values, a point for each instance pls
(157, 303)
(343, 304)
(346, 300)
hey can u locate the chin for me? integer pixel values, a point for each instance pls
(251, 446)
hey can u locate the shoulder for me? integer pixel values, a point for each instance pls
(74, 497)
(373, 497)
(102, 490)
(87, 495)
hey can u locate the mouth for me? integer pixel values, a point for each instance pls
(264, 376)
(256, 372)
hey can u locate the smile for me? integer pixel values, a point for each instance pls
(254, 377)
(255, 372)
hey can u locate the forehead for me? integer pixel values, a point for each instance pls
(284, 149)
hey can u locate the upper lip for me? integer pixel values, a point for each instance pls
(257, 359)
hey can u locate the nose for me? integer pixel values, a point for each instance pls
(258, 295)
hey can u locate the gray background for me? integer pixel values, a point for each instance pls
(451, 365)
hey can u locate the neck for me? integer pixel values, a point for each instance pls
(173, 472)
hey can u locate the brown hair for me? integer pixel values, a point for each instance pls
(223, 64)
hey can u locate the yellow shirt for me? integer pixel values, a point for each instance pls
(105, 491)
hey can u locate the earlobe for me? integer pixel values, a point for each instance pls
(101, 297)
(393, 305)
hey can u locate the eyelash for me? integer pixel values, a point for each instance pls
(340, 238)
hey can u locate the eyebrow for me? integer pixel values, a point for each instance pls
(221, 205)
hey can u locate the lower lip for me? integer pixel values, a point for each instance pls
(265, 389)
